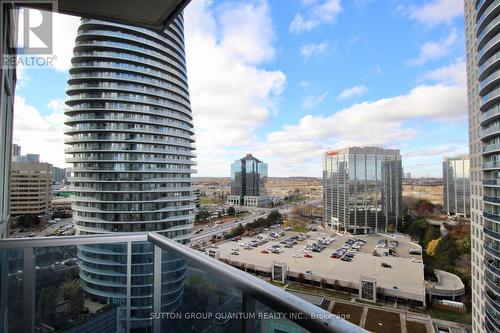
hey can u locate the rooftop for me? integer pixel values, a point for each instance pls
(404, 279)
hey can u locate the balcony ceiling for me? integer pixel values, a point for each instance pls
(152, 14)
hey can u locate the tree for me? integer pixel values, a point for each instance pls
(446, 252)
(202, 216)
(47, 302)
(322, 283)
(300, 278)
(417, 229)
(274, 217)
(431, 247)
(431, 233)
(73, 293)
(231, 211)
(26, 221)
(239, 230)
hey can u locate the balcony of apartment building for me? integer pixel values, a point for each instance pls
(45, 285)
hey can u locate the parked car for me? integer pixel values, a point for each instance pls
(264, 251)
(346, 259)
(386, 265)
(307, 255)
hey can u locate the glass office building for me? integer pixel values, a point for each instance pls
(248, 177)
(456, 191)
(362, 189)
(131, 145)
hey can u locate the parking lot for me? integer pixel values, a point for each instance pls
(313, 255)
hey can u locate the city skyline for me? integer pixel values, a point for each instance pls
(294, 117)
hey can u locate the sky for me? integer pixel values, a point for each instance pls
(289, 80)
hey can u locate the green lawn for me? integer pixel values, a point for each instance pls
(209, 200)
(464, 318)
(242, 214)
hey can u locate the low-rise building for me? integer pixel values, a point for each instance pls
(30, 188)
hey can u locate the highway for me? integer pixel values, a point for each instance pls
(209, 231)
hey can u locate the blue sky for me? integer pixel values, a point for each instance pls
(289, 80)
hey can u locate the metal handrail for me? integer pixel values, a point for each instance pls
(307, 316)
(313, 318)
(35, 242)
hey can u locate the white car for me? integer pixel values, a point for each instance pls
(296, 255)
(415, 260)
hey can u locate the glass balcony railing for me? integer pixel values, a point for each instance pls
(128, 282)
(491, 216)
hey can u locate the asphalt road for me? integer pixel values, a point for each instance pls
(209, 231)
(41, 231)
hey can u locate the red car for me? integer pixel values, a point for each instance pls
(264, 251)
(307, 255)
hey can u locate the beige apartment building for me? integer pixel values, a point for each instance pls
(30, 188)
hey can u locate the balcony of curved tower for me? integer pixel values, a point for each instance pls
(492, 165)
(489, 66)
(491, 199)
(489, 132)
(490, 30)
(487, 11)
(492, 234)
(492, 216)
(491, 99)
(491, 148)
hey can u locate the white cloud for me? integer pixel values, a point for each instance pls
(454, 73)
(40, 134)
(318, 13)
(435, 50)
(65, 29)
(350, 92)
(231, 96)
(434, 151)
(436, 12)
(247, 31)
(312, 49)
(385, 122)
(310, 101)
(304, 84)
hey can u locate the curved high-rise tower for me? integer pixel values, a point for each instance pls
(482, 28)
(131, 137)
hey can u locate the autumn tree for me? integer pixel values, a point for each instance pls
(431, 247)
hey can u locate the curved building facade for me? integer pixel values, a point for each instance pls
(483, 79)
(131, 144)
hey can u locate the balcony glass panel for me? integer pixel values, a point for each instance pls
(128, 283)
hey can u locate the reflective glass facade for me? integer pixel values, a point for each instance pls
(248, 177)
(131, 145)
(362, 189)
(456, 192)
